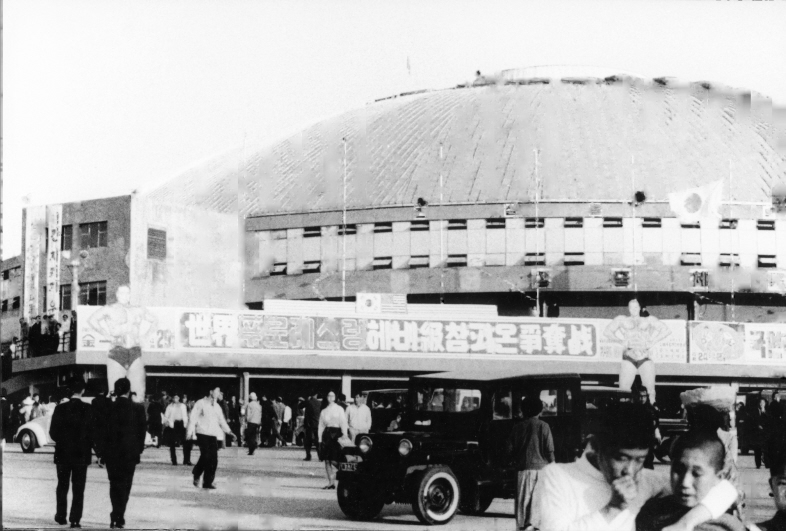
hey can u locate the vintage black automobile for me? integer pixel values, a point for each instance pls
(453, 451)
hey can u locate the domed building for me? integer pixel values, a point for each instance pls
(530, 195)
(535, 180)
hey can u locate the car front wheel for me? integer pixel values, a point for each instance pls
(27, 441)
(359, 503)
(437, 496)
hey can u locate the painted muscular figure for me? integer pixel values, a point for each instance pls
(126, 327)
(637, 335)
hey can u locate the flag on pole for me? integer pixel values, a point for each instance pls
(694, 204)
(381, 303)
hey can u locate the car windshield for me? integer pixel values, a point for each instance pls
(445, 399)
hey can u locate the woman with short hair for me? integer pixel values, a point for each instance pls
(332, 427)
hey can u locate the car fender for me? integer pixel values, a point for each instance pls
(39, 427)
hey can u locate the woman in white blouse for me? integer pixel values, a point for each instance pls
(332, 426)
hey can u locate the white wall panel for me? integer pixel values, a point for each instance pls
(476, 241)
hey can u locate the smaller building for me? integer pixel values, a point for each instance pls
(11, 296)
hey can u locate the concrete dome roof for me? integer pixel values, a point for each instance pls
(591, 138)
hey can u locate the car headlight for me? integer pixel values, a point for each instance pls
(365, 444)
(404, 447)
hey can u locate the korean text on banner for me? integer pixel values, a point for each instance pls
(261, 332)
(35, 225)
(55, 225)
(738, 343)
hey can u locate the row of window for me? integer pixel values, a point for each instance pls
(529, 223)
(90, 294)
(91, 235)
(13, 272)
(725, 260)
(14, 304)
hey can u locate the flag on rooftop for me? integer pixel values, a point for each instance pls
(694, 204)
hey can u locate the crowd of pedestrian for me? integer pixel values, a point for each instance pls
(46, 334)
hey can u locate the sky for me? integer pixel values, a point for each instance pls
(103, 97)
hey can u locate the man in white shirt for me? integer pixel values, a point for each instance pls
(207, 421)
(287, 422)
(358, 417)
(254, 416)
(175, 419)
(606, 487)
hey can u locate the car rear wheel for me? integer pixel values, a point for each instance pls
(27, 441)
(359, 503)
(436, 496)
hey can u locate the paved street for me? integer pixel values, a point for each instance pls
(274, 489)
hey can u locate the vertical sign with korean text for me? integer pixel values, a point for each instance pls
(55, 225)
(35, 223)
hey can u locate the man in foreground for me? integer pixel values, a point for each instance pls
(776, 453)
(123, 444)
(207, 421)
(697, 467)
(71, 429)
(607, 486)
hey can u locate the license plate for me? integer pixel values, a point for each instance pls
(349, 467)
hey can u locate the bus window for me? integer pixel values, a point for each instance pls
(549, 399)
(503, 403)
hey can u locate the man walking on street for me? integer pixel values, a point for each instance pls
(123, 445)
(254, 416)
(176, 418)
(71, 430)
(208, 422)
(358, 417)
(187, 443)
(311, 424)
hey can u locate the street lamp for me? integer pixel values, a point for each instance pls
(74, 266)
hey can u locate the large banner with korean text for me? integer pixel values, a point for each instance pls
(55, 225)
(259, 331)
(738, 343)
(35, 241)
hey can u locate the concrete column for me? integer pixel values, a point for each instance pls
(244, 387)
(346, 384)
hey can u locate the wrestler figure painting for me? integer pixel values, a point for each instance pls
(126, 326)
(637, 335)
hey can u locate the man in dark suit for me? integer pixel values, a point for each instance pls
(71, 429)
(123, 444)
(311, 424)
(100, 407)
(7, 433)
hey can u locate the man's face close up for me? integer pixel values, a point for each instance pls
(622, 462)
(692, 477)
(641, 398)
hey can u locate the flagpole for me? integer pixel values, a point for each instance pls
(537, 232)
(441, 235)
(731, 176)
(633, 208)
(344, 230)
